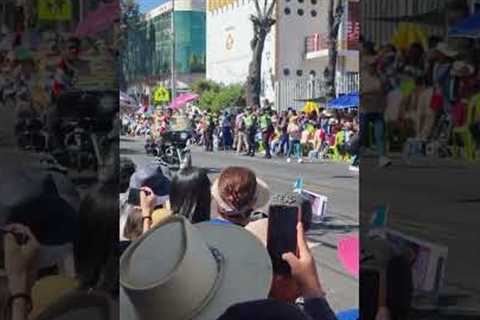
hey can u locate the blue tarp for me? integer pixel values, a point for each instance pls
(351, 100)
(468, 28)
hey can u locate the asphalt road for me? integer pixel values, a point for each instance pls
(330, 179)
(436, 201)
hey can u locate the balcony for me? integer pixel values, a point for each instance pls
(316, 46)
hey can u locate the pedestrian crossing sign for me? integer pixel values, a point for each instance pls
(55, 10)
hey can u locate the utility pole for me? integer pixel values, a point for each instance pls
(172, 62)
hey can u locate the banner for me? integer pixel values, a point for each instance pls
(353, 25)
(55, 10)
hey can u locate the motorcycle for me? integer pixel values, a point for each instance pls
(173, 151)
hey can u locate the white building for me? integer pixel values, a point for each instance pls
(229, 32)
(296, 50)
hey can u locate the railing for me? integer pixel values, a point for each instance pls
(289, 92)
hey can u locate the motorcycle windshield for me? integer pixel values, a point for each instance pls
(179, 124)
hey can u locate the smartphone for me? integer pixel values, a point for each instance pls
(134, 197)
(282, 235)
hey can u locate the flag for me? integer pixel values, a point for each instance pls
(298, 187)
(379, 219)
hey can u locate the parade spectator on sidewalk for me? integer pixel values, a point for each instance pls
(237, 193)
(190, 195)
(295, 134)
(373, 107)
(284, 139)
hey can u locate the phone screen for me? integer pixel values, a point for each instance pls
(282, 235)
(134, 197)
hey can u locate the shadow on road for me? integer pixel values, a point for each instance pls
(126, 151)
(342, 177)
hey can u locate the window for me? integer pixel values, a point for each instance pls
(314, 2)
(286, 72)
(300, 1)
(314, 13)
(287, 11)
(299, 73)
(300, 12)
(313, 73)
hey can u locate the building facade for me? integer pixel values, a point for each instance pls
(229, 32)
(150, 48)
(296, 50)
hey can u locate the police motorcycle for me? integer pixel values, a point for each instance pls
(84, 123)
(173, 148)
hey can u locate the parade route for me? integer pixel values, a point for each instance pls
(326, 178)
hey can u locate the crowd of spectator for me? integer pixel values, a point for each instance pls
(422, 98)
(292, 135)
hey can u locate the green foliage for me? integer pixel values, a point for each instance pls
(202, 85)
(216, 96)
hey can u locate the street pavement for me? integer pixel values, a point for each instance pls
(327, 178)
(437, 201)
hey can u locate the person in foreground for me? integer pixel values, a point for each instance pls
(198, 273)
(238, 193)
(304, 272)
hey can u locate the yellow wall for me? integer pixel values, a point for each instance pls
(218, 4)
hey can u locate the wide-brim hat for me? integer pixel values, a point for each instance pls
(262, 197)
(180, 271)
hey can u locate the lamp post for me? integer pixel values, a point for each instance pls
(172, 62)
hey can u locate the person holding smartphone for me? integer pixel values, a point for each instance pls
(304, 273)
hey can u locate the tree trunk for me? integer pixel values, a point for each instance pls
(254, 79)
(335, 14)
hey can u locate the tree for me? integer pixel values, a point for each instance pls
(262, 24)
(336, 9)
(202, 85)
(218, 97)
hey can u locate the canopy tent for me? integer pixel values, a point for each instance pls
(468, 28)
(351, 100)
(183, 99)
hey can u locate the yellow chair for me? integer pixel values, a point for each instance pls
(462, 133)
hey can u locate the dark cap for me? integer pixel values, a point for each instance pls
(151, 176)
(31, 198)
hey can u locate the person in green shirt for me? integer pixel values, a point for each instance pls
(267, 130)
(250, 120)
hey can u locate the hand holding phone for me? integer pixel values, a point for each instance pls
(20, 238)
(303, 267)
(20, 259)
(282, 235)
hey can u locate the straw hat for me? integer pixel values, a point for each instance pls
(180, 271)
(262, 197)
(462, 69)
